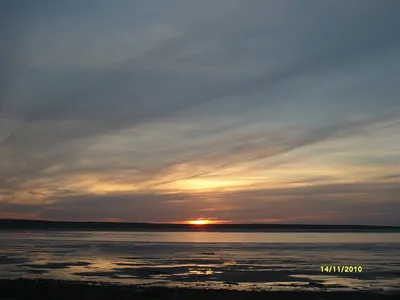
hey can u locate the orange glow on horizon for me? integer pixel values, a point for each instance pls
(199, 222)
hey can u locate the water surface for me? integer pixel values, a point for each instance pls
(240, 260)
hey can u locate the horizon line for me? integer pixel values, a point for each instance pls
(192, 225)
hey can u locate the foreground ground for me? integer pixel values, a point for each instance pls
(60, 290)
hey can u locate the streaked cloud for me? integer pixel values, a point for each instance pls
(104, 102)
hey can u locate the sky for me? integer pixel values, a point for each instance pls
(256, 111)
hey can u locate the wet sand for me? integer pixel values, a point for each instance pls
(59, 290)
(288, 262)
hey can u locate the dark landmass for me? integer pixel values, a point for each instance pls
(21, 289)
(13, 224)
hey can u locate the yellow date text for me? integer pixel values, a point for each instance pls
(341, 269)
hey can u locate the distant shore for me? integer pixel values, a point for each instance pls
(54, 289)
(13, 224)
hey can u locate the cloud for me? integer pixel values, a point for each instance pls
(171, 99)
(365, 203)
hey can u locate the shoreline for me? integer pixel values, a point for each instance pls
(49, 289)
(14, 224)
(204, 229)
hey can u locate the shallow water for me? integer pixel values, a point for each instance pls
(237, 260)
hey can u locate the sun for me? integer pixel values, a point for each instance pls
(199, 222)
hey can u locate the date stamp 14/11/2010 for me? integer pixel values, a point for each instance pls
(341, 269)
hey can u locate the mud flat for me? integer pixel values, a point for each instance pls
(59, 290)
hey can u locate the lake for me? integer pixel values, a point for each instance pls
(237, 260)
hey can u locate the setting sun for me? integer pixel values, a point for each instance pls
(199, 222)
(202, 222)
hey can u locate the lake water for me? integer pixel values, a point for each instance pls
(236, 260)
